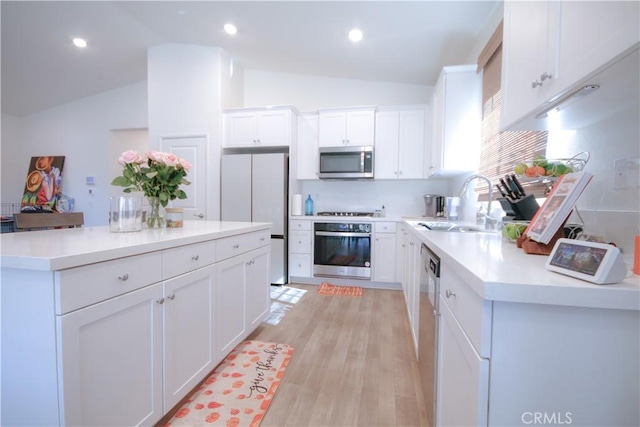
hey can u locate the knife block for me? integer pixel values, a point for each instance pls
(520, 210)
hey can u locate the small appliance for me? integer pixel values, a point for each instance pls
(434, 205)
(346, 162)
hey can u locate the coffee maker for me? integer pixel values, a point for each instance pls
(434, 206)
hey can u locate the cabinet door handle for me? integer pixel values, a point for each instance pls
(199, 215)
(535, 84)
(236, 246)
(544, 76)
(160, 301)
(123, 277)
(195, 257)
(171, 297)
(262, 239)
(449, 293)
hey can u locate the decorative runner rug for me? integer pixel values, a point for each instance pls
(239, 391)
(329, 289)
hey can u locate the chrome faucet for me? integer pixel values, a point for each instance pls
(490, 221)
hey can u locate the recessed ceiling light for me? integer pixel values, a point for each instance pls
(230, 28)
(355, 35)
(80, 42)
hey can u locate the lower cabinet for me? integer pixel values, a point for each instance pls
(463, 376)
(384, 252)
(411, 282)
(258, 287)
(300, 243)
(111, 362)
(119, 345)
(188, 340)
(242, 298)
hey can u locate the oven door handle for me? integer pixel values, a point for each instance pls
(341, 234)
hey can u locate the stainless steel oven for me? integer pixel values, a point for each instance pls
(342, 249)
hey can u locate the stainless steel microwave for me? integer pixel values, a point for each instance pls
(346, 162)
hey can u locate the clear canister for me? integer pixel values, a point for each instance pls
(174, 217)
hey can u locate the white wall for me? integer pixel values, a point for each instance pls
(80, 131)
(308, 92)
(13, 170)
(613, 214)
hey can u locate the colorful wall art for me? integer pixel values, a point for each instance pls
(43, 184)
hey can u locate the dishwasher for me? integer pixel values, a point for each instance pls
(429, 313)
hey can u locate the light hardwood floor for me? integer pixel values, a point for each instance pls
(353, 362)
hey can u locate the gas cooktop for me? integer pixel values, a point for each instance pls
(345, 213)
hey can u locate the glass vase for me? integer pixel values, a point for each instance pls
(155, 216)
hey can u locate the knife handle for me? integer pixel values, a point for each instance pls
(514, 178)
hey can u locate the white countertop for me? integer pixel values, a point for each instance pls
(500, 271)
(51, 250)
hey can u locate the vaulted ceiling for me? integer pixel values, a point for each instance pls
(404, 41)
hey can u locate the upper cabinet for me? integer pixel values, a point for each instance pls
(307, 145)
(261, 127)
(552, 49)
(400, 141)
(456, 112)
(346, 127)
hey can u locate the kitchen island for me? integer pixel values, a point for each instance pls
(521, 345)
(103, 328)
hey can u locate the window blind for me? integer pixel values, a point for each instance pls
(500, 152)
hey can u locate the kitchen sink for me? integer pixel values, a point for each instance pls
(451, 227)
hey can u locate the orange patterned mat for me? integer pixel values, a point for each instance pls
(239, 391)
(329, 289)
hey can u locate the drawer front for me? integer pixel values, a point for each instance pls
(299, 225)
(300, 265)
(385, 227)
(300, 242)
(187, 258)
(82, 286)
(471, 311)
(258, 239)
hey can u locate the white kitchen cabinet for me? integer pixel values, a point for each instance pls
(258, 287)
(456, 112)
(268, 127)
(133, 330)
(384, 252)
(111, 357)
(242, 295)
(353, 127)
(300, 248)
(400, 143)
(411, 282)
(550, 49)
(463, 381)
(189, 334)
(307, 146)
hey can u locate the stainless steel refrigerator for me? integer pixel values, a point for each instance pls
(255, 188)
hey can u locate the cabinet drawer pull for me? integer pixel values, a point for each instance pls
(123, 277)
(171, 297)
(262, 239)
(195, 257)
(160, 301)
(449, 293)
(236, 246)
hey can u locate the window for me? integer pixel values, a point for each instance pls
(501, 151)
